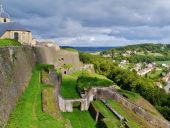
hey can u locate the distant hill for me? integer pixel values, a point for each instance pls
(143, 47)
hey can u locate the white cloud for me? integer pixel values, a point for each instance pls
(94, 22)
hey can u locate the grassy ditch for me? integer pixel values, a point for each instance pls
(28, 112)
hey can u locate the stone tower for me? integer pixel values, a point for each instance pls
(4, 17)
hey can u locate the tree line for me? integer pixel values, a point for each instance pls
(130, 81)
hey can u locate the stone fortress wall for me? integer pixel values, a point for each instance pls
(16, 65)
(59, 58)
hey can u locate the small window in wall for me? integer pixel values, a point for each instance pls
(16, 36)
(5, 20)
(62, 58)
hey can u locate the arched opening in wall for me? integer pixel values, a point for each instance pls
(77, 105)
(4, 19)
(16, 36)
(65, 72)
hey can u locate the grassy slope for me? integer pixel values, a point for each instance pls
(9, 42)
(80, 119)
(68, 87)
(28, 112)
(87, 80)
(110, 117)
(134, 121)
(140, 101)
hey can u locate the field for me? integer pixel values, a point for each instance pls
(163, 62)
(28, 111)
(155, 75)
(8, 42)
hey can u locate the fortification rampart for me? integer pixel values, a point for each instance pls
(16, 65)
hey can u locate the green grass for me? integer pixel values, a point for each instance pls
(85, 82)
(111, 118)
(69, 83)
(131, 122)
(68, 87)
(70, 49)
(9, 42)
(130, 95)
(88, 80)
(28, 111)
(155, 75)
(163, 62)
(110, 123)
(80, 119)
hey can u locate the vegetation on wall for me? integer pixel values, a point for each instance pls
(92, 80)
(9, 42)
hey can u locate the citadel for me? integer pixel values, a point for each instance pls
(17, 64)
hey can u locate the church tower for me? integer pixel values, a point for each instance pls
(4, 16)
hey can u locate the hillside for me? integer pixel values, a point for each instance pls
(129, 80)
(140, 53)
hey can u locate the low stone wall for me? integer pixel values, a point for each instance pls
(16, 65)
(66, 105)
(110, 93)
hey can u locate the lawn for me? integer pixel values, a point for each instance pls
(163, 62)
(82, 79)
(68, 87)
(80, 119)
(9, 42)
(155, 75)
(88, 80)
(28, 111)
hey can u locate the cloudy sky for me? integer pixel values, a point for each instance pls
(94, 22)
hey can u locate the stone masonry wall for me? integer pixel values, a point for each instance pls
(58, 58)
(16, 65)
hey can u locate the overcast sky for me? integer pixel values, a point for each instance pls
(94, 22)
